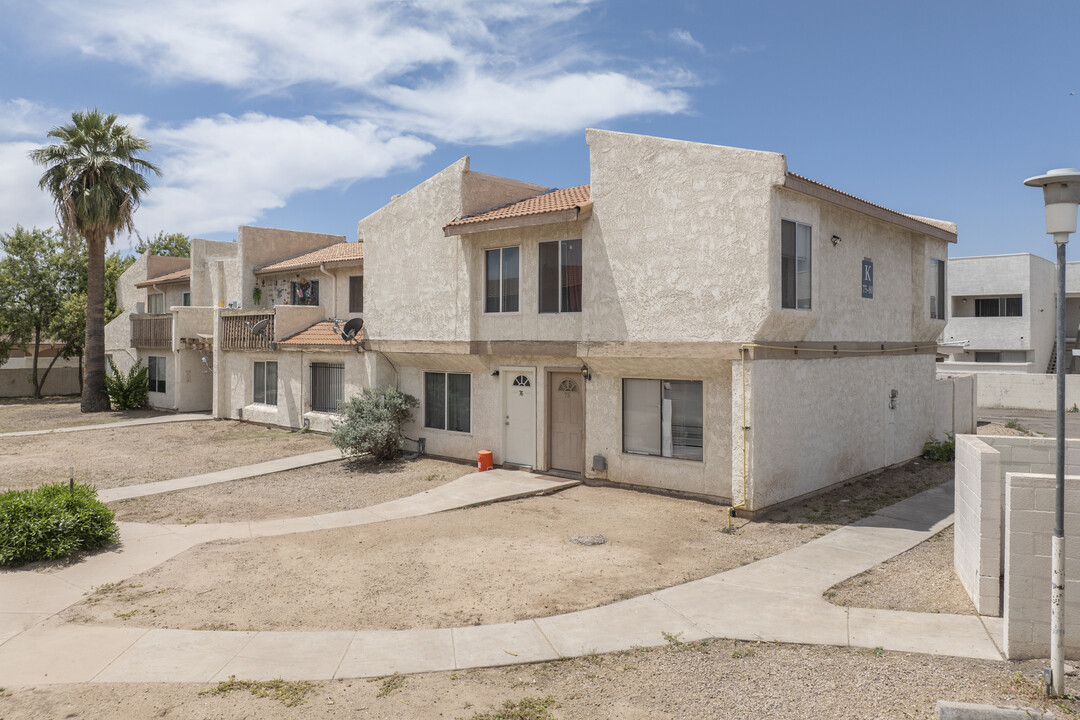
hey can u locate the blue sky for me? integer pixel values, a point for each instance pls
(310, 114)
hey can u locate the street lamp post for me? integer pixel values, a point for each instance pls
(1061, 194)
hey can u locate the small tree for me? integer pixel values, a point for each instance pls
(171, 245)
(372, 423)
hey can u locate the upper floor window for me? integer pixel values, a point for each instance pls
(795, 241)
(937, 289)
(155, 303)
(501, 279)
(999, 306)
(560, 276)
(305, 293)
(185, 298)
(356, 293)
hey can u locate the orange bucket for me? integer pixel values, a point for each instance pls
(484, 460)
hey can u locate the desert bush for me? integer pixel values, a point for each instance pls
(51, 522)
(372, 422)
(130, 391)
(940, 449)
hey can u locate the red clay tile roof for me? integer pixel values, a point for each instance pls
(337, 255)
(321, 334)
(547, 202)
(176, 276)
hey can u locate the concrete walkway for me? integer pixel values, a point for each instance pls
(776, 599)
(180, 417)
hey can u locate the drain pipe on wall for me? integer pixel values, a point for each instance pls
(333, 281)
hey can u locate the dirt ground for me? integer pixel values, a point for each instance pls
(490, 564)
(920, 580)
(334, 486)
(720, 680)
(21, 414)
(113, 457)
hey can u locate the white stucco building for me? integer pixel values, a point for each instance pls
(696, 319)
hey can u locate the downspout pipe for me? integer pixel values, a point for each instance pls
(333, 283)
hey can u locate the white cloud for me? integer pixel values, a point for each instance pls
(21, 202)
(740, 49)
(21, 118)
(683, 37)
(482, 109)
(225, 171)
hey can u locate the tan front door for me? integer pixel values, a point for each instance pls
(567, 421)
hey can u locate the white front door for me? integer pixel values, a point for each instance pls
(519, 405)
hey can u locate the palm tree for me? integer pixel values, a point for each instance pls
(97, 181)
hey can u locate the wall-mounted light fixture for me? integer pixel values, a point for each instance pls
(835, 240)
(495, 374)
(585, 372)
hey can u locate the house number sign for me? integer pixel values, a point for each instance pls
(867, 278)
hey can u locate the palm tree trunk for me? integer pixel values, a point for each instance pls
(94, 398)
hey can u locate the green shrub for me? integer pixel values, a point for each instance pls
(940, 449)
(372, 423)
(127, 392)
(52, 521)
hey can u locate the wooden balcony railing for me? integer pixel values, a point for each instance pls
(151, 331)
(236, 332)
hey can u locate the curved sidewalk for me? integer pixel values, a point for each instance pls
(776, 599)
(181, 417)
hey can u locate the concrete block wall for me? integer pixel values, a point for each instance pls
(955, 410)
(1028, 391)
(982, 463)
(1029, 525)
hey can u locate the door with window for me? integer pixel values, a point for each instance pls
(567, 408)
(519, 421)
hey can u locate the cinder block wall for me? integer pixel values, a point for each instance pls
(1029, 524)
(982, 463)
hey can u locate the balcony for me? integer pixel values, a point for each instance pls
(236, 331)
(151, 331)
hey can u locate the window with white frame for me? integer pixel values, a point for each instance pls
(155, 374)
(356, 294)
(560, 276)
(937, 289)
(663, 418)
(501, 284)
(327, 386)
(795, 244)
(447, 401)
(185, 298)
(265, 383)
(155, 303)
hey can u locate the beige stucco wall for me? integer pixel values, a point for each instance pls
(206, 255)
(815, 423)
(333, 289)
(257, 246)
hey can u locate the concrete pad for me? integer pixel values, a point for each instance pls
(198, 533)
(504, 644)
(639, 622)
(175, 656)
(970, 711)
(995, 627)
(346, 518)
(131, 558)
(416, 505)
(729, 610)
(808, 570)
(374, 653)
(26, 591)
(956, 635)
(290, 656)
(882, 542)
(139, 531)
(11, 624)
(66, 654)
(269, 528)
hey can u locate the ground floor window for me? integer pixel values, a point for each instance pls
(327, 386)
(155, 374)
(663, 418)
(266, 383)
(447, 401)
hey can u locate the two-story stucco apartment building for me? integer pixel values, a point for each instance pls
(697, 319)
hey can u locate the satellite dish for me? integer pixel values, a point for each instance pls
(351, 329)
(260, 327)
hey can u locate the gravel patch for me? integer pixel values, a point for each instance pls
(725, 680)
(919, 580)
(339, 485)
(994, 428)
(115, 457)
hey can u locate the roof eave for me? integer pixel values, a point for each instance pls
(309, 266)
(821, 192)
(578, 212)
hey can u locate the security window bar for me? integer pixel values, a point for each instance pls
(155, 374)
(795, 266)
(327, 387)
(501, 271)
(356, 294)
(663, 418)
(937, 289)
(1012, 306)
(447, 401)
(265, 383)
(560, 276)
